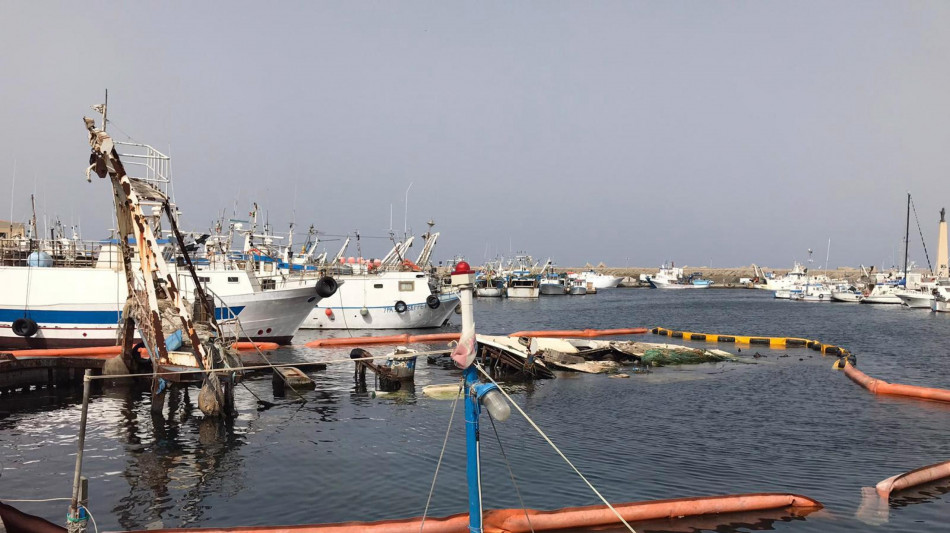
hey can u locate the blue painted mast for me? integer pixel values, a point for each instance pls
(476, 393)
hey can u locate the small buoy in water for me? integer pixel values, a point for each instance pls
(364, 311)
(329, 312)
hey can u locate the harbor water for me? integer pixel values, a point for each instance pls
(781, 422)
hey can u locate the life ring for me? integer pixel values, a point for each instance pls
(433, 301)
(400, 307)
(25, 327)
(327, 287)
(821, 296)
(256, 252)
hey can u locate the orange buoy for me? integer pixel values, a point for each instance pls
(255, 345)
(580, 332)
(922, 475)
(879, 386)
(328, 312)
(513, 520)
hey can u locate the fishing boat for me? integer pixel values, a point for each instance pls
(672, 277)
(391, 293)
(847, 295)
(553, 285)
(76, 298)
(814, 292)
(577, 287)
(599, 280)
(489, 287)
(520, 280)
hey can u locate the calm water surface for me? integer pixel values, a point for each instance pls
(784, 424)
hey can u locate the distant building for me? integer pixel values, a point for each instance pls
(11, 230)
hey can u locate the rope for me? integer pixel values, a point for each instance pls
(922, 241)
(94, 525)
(445, 443)
(511, 474)
(556, 449)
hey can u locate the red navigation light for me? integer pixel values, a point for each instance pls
(462, 268)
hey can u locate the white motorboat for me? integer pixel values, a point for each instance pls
(916, 299)
(814, 292)
(847, 296)
(941, 292)
(883, 293)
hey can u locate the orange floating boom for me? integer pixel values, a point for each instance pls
(922, 475)
(878, 386)
(580, 332)
(513, 520)
(255, 345)
(354, 341)
(91, 351)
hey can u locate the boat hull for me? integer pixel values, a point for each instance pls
(846, 297)
(385, 300)
(882, 299)
(80, 307)
(524, 292)
(917, 301)
(489, 292)
(552, 289)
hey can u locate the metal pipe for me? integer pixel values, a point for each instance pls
(473, 465)
(77, 474)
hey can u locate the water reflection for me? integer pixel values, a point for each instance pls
(721, 523)
(175, 460)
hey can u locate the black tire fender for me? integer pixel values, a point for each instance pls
(400, 307)
(327, 286)
(25, 327)
(433, 301)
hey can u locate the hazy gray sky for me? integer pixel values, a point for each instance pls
(624, 132)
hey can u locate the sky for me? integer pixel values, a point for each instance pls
(630, 133)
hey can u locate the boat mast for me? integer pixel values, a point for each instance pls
(906, 239)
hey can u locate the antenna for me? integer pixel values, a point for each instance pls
(12, 190)
(405, 222)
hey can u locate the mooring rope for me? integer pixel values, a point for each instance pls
(445, 443)
(511, 473)
(556, 449)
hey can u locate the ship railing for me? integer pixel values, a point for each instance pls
(63, 252)
(144, 162)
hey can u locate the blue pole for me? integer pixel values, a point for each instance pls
(472, 468)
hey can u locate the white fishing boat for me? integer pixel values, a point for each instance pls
(388, 293)
(488, 287)
(553, 285)
(521, 284)
(941, 292)
(599, 280)
(672, 277)
(383, 300)
(76, 299)
(883, 294)
(814, 292)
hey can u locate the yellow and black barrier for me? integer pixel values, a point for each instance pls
(772, 342)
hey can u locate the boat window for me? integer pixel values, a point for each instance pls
(405, 286)
(268, 284)
(377, 285)
(232, 279)
(204, 279)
